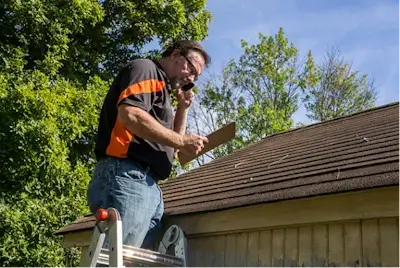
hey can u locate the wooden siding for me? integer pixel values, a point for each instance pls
(356, 205)
(369, 242)
(357, 228)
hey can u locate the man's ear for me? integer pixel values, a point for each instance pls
(175, 53)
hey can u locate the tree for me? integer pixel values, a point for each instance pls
(259, 91)
(79, 39)
(46, 136)
(337, 90)
(56, 63)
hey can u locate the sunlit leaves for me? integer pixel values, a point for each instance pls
(336, 89)
(79, 39)
(259, 91)
(47, 128)
(57, 59)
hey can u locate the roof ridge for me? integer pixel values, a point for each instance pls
(316, 124)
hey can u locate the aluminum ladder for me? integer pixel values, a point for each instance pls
(171, 251)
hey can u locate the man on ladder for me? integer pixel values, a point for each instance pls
(138, 136)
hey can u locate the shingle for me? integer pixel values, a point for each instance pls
(350, 153)
(83, 223)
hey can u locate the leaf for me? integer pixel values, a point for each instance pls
(57, 61)
(335, 89)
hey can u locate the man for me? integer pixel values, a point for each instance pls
(138, 136)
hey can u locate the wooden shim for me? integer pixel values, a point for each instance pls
(215, 139)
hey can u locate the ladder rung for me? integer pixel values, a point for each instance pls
(134, 256)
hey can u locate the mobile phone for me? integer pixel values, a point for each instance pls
(188, 87)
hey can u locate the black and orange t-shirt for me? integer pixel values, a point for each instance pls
(141, 83)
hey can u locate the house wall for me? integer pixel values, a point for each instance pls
(371, 242)
(353, 229)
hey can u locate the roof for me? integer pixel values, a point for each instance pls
(350, 153)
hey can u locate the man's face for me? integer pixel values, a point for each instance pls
(188, 67)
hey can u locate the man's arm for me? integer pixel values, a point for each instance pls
(141, 90)
(180, 120)
(185, 99)
(145, 126)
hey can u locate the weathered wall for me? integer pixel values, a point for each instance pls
(370, 242)
(351, 229)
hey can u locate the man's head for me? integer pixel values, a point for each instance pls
(183, 62)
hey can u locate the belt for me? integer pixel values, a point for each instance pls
(140, 163)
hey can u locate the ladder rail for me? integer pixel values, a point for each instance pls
(90, 256)
(115, 237)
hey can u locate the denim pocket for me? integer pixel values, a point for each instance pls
(137, 174)
(129, 171)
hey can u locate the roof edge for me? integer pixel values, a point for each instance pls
(336, 119)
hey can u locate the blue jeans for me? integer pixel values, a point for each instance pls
(132, 190)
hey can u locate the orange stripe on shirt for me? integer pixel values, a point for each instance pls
(120, 140)
(121, 137)
(146, 86)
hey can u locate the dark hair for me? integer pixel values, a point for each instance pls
(185, 46)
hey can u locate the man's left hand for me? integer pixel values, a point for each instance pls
(185, 99)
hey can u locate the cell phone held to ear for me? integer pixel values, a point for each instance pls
(188, 87)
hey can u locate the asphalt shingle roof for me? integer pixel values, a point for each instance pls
(350, 153)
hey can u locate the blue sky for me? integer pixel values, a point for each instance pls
(365, 31)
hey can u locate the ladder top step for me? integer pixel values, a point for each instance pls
(132, 256)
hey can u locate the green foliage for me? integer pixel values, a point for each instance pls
(57, 59)
(46, 132)
(259, 91)
(79, 39)
(336, 90)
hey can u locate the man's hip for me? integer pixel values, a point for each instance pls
(130, 188)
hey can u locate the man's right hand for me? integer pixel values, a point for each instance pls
(192, 144)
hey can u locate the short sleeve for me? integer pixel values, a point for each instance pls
(140, 85)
